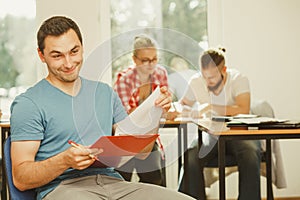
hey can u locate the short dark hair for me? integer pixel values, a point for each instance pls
(215, 55)
(56, 26)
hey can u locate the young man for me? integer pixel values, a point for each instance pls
(226, 92)
(133, 85)
(45, 118)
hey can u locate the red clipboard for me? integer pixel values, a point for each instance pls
(117, 150)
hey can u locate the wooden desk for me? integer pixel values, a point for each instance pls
(245, 134)
(5, 131)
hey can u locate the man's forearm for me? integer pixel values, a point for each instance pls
(30, 174)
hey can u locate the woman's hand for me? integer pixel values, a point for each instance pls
(164, 100)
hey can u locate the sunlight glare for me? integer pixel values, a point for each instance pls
(21, 8)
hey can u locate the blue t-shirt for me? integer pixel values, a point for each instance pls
(47, 114)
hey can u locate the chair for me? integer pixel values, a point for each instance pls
(14, 193)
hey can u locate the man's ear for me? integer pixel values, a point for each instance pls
(41, 55)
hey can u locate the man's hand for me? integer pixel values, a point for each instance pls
(80, 157)
(164, 100)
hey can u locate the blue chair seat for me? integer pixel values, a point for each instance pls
(14, 193)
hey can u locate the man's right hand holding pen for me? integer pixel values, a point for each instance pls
(81, 157)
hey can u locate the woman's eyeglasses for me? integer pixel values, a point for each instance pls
(147, 61)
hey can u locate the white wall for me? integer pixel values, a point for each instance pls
(262, 41)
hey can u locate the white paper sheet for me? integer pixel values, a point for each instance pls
(143, 119)
(258, 120)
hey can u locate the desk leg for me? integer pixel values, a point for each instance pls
(4, 134)
(221, 153)
(182, 131)
(185, 156)
(199, 147)
(179, 149)
(269, 169)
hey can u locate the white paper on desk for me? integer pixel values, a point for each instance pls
(184, 119)
(239, 116)
(258, 120)
(143, 119)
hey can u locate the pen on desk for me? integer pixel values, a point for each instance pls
(74, 144)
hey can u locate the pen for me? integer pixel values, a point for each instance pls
(74, 144)
(173, 105)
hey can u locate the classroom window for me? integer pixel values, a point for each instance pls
(17, 39)
(188, 17)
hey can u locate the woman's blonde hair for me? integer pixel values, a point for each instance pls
(142, 42)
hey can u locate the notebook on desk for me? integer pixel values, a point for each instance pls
(289, 124)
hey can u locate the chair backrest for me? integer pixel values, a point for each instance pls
(14, 193)
(262, 108)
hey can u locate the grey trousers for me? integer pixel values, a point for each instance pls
(109, 188)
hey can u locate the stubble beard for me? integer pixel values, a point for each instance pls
(216, 86)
